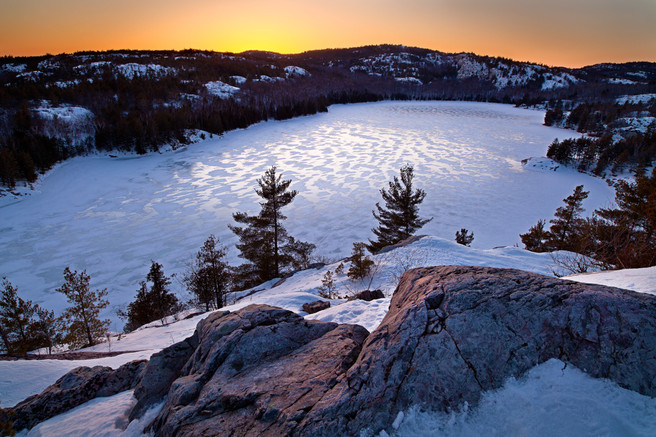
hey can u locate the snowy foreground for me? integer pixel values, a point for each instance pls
(552, 399)
(112, 216)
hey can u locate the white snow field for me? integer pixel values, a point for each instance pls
(112, 216)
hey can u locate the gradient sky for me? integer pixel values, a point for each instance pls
(569, 33)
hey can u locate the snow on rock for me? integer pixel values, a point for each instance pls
(292, 71)
(638, 98)
(72, 124)
(32, 76)
(561, 80)
(132, 70)
(15, 68)
(620, 81)
(409, 80)
(239, 80)
(265, 78)
(635, 124)
(221, 89)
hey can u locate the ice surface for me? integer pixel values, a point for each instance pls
(112, 216)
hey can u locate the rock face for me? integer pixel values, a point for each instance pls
(451, 333)
(257, 371)
(75, 388)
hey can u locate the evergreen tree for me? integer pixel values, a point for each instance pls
(209, 276)
(264, 241)
(565, 227)
(537, 238)
(361, 264)
(464, 237)
(139, 311)
(82, 322)
(47, 329)
(16, 319)
(400, 217)
(163, 302)
(625, 237)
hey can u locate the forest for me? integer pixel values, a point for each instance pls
(139, 101)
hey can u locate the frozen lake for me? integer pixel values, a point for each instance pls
(113, 215)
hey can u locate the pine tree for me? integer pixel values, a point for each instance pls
(361, 264)
(625, 237)
(565, 226)
(139, 311)
(264, 241)
(537, 238)
(163, 302)
(209, 276)
(16, 319)
(47, 329)
(82, 322)
(400, 217)
(464, 237)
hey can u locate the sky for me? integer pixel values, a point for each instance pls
(570, 33)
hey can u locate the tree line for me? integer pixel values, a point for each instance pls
(613, 238)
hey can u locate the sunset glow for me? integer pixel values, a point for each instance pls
(568, 33)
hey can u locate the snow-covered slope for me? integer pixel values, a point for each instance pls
(550, 393)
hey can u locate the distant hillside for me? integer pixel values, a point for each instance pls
(56, 106)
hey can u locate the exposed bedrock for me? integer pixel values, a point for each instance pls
(451, 333)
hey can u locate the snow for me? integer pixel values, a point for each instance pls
(409, 80)
(636, 124)
(132, 70)
(620, 81)
(641, 280)
(293, 71)
(221, 89)
(638, 98)
(239, 80)
(560, 80)
(64, 113)
(552, 399)
(111, 216)
(15, 68)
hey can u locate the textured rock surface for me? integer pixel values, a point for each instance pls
(315, 307)
(256, 371)
(452, 332)
(75, 388)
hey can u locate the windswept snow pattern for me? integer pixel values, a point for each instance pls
(111, 216)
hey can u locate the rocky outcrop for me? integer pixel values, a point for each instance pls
(75, 388)
(451, 333)
(256, 371)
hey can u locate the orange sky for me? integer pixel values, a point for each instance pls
(557, 32)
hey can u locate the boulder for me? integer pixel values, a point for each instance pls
(368, 295)
(453, 332)
(316, 306)
(75, 388)
(257, 371)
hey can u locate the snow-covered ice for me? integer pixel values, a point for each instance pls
(112, 216)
